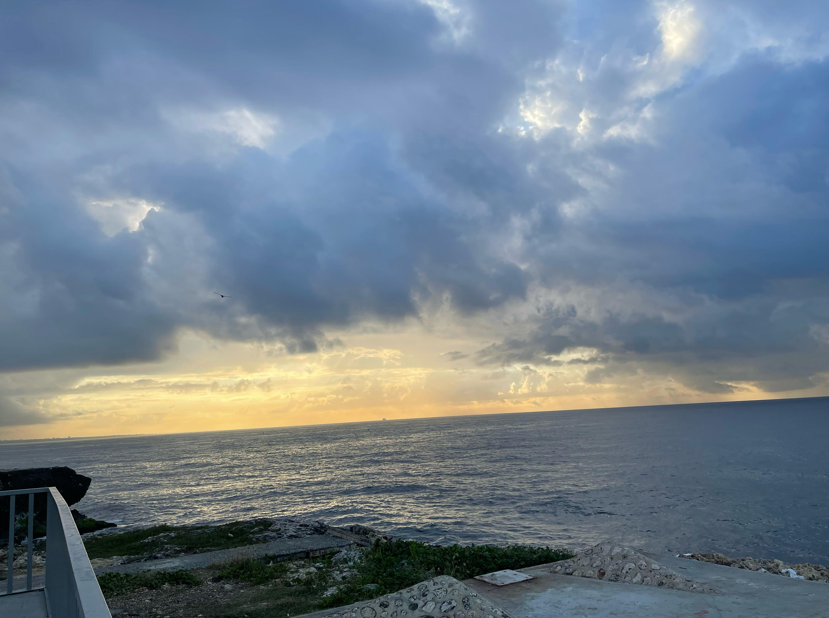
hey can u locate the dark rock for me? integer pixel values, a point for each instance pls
(71, 485)
(87, 524)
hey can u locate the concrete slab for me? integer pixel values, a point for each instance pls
(740, 594)
(504, 578)
(281, 549)
(23, 605)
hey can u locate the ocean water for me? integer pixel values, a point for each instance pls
(745, 479)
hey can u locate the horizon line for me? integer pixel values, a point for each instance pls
(418, 418)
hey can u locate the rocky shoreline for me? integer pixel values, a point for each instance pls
(806, 570)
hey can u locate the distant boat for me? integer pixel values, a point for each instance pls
(384, 419)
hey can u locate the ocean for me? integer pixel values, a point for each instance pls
(744, 479)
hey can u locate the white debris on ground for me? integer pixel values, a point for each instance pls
(614, 563)
(343, 566)
(347, 557)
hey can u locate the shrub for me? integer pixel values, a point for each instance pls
(399, 564)
(113, 584)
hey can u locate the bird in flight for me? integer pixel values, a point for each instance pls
(222, 295)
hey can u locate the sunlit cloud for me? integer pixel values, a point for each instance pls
(117, 215)
(680, 28)
(244, 126)
(453, 17)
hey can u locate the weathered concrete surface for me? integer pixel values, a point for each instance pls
(23, 605)
(442, 597)
(614, 563)
(740, 594)
(279, 549)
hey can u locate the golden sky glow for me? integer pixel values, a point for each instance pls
(212, 385)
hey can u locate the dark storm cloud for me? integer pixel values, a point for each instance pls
(86, 296)
(327, 163)
(343, 229)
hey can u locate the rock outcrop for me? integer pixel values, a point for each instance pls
(620, 564)
(71, 485)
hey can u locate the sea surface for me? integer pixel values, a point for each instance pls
(744, 479)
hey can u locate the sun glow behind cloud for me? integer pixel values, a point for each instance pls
(680, 28)
(244, 126)
(117, 215)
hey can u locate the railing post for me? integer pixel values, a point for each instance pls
(10, 578)
(31, 542)
(56, 567)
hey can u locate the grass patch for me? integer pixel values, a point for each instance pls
(131, 543)
(282, 590)
(113, 584)
(183, 539)
(89, 524)
(399, 564)
(253, 571)
(277, 601)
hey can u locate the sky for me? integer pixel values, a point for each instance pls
(415, 208)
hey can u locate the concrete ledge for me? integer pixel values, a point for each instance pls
(31, 604)
(741, 594)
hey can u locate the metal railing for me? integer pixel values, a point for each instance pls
(71, 588)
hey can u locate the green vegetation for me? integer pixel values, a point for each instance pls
(175, 540)
(121, 583)
(253, 571)
(277, 600)
(284, 588)
(399, 564)
(383, 569)
(131, 543)
(21, 528)
(265, 589)
(89, 524)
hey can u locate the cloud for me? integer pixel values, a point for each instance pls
(643, 182)
(342, 228)
(454, 355)
(13, 414)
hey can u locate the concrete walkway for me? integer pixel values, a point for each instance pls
(23, 605)
(741, 594)
(281, 549)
